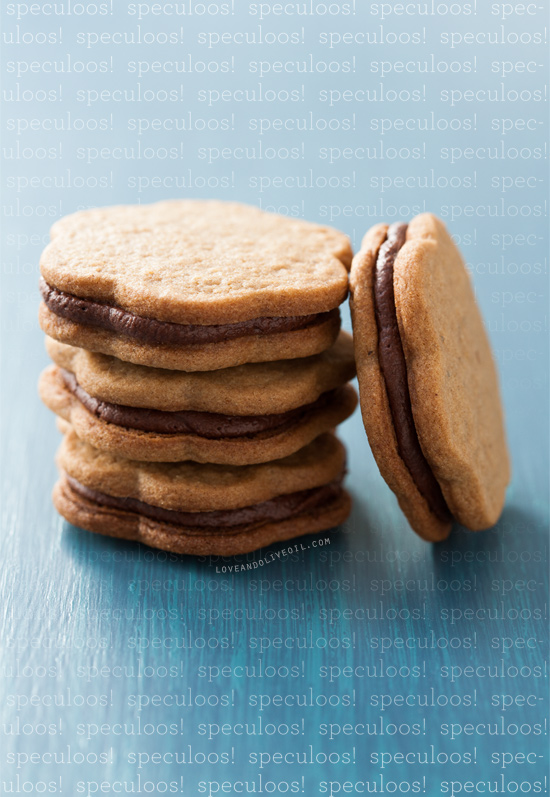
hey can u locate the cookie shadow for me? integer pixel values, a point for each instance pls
(497, 546)
(110, 556)
(98, 551)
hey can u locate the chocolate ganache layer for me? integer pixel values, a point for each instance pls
(149, 330)
(211, 425)
(394, 371)
(277, 509)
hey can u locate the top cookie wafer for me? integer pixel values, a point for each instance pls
(198, 262)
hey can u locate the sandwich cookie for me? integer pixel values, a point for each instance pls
(199, 509)
(427, 380)
(193, 285)
(237, 416)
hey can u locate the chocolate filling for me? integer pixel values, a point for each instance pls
(277, 509)
(394, 370)
(211, 425)
(149, 330)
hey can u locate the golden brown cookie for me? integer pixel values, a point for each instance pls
(157, 436)
(202, 509)
(251, 389)
(198, 357)
(427, 380)
(193, 285)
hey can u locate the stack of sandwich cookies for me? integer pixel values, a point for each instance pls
(202, 337)
(427, 380)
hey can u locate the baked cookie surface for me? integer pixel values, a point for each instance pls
(198, 262)
(202, 509)
(448, 398)
(193, 281)
(158, 436)
(250, 389)
(237, 416)
(251, 348)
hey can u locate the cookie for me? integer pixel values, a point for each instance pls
(427, 379)
(157, 436)
(252, 389)
(193, 285)
(202, 509)
(244, 415)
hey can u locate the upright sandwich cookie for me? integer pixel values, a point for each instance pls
(193, 285)
(427, 380)
(237, 416)
(202, 509)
